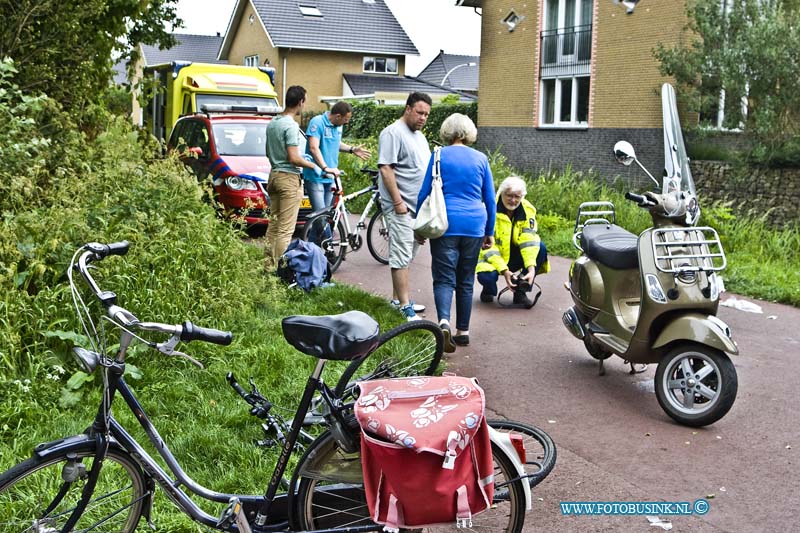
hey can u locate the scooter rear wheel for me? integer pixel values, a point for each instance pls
(696, 385)
(594, 349)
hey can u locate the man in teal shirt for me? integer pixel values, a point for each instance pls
(324, 134)
(285, 187)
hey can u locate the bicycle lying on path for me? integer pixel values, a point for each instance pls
(330, 228)
(104, 480)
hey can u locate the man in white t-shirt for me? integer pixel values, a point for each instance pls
(403, 156)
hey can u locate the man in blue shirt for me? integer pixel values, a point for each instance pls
(324, 144)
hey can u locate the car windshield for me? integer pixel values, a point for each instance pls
(241, 138)
(676, 162)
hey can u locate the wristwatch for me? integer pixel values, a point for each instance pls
(352, 149)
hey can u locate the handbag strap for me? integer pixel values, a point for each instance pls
(437, 171)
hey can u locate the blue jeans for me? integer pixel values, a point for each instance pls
(320, 194)
(453, 261)
(489, 279)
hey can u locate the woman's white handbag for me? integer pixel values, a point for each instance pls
(431, 221)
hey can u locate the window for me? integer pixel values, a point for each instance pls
(565, 101)
(251, 61)
(382, 65)
(310, 11)
(566, 53)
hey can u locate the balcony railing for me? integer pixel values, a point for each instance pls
(566, 51)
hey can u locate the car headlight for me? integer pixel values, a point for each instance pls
(236, 183)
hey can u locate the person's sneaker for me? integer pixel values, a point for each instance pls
(449, 345)
(520, 298)
(408, 312)
(418, 308)
(486, 297)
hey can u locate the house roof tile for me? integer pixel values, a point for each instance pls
(195, 48)
(364, 26)
(463, 78)
(363, 84)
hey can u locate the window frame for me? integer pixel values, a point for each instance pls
(251, 60)
(557, 100)
(386, 61)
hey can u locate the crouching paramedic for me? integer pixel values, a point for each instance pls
(517, 247)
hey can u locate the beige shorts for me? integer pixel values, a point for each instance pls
(402, 244)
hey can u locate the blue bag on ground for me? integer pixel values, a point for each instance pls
(307, 264)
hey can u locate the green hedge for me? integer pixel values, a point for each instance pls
(369, 118)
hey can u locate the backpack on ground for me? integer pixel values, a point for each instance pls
(425, 451)
(303, 264)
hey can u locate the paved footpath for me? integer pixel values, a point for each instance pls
(614, 441)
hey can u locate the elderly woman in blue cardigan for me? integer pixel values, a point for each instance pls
(471, 206)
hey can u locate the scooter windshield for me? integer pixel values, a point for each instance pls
(677, 175)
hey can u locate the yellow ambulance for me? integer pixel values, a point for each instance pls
(182, 87)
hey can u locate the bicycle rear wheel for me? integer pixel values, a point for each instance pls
(332, 239)
(38, 495)
(378, 238)
(331, 495)
(410, 349)
(540, 450)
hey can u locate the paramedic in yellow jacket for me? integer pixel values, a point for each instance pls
(517, 246)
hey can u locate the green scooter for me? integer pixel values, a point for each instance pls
(654, 298)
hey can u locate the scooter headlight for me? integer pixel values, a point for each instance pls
(236, 183)
(654, 289)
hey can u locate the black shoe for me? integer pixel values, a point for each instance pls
(486, 297)
(521, 298)
(461, 340)
(449, 345)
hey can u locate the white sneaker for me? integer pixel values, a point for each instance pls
(418, 308)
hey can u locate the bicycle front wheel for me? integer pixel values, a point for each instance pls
(410, 349)
(331, 493)
(331, 237)
(39, 495)
(540, 450)
(378, 238)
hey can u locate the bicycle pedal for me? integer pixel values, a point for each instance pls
(234, 514)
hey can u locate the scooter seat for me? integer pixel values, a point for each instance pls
(611, 245)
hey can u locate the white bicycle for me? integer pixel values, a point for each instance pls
(330, 228)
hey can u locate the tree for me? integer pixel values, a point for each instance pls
(742, 51)
(65, 48)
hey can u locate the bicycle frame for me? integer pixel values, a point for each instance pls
(340, 211)
(272, 511)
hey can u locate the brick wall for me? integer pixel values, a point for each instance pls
(534, 150)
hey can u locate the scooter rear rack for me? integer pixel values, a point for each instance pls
(679, 250)
(592, 213)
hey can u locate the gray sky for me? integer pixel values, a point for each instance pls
(433, 25)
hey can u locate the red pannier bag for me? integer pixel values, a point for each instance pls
(425, 451)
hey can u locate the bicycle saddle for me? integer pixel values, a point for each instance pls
(611, 245)
(342, 337)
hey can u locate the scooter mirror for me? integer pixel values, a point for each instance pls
(624, 153)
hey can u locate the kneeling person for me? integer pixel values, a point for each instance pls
(517, 246)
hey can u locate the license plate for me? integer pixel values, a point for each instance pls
(305, 203)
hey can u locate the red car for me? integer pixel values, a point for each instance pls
(228, 147)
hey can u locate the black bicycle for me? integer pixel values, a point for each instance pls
(330, 228)
(104, 480)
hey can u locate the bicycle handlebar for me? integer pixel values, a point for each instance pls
(187, 331)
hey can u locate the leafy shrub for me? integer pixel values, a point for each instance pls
(369, 118)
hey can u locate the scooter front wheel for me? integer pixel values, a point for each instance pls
(696, 385)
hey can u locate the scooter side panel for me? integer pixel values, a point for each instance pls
(699, 328)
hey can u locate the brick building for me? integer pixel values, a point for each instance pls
(562, 80)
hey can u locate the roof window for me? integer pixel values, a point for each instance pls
(310, 11)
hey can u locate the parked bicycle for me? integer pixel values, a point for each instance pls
(104, 479)
(331, 230)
